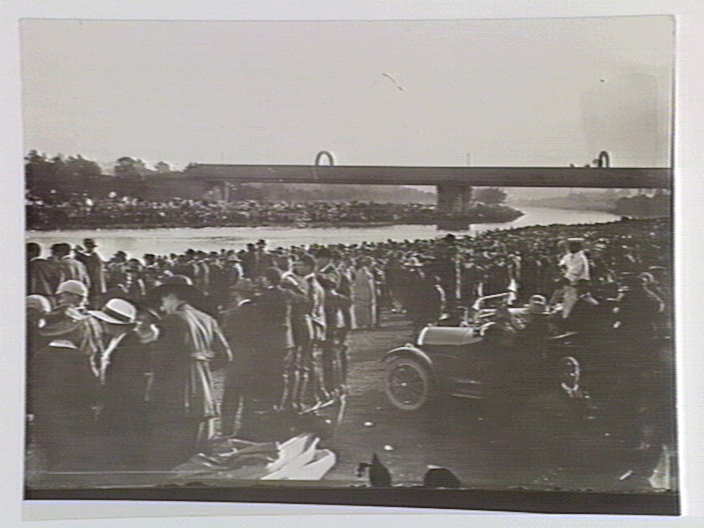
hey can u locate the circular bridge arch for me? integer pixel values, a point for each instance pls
(324, 154)
(604, 160)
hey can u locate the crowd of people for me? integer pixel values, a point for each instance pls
(121, 351)
(82, 211)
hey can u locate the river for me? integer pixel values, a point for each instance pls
(167, 240)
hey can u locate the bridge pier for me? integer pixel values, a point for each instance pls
(453, 200)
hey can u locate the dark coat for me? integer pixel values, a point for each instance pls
(124, 374)
(301, 325)
(43, 277)
(72, 269)
(250, 264)
(96, 272)
(335, 307)
(275, 306)
(64, 390)
(182, 384)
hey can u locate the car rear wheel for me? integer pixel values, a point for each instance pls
(408, 384)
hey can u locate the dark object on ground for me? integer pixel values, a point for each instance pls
(379, 475)
(440, 477)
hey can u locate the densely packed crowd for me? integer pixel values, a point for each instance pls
(121, 351)
(86, 212)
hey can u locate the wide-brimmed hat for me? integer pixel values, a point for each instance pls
(73, 287)
(116, 311)
(38, 303)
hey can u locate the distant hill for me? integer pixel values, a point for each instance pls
(581, 200)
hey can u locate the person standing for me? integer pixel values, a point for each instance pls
(69, 267)
(123, 374)
(334, 357)
(64, 394)
(241, 324)
(301, 330)
(134, 285)
(364, 295)
(70, 313)
(326, 267)
(43, 276)
(309, 330)
(274, 344)
(575, 267)
(344, 288)
(218, 281)
(37, 307)
(96, 270)
(446, 267)
(250, 262)
(182, 400)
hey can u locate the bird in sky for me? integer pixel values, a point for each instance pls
(396, 84)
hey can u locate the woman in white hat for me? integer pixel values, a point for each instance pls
(124, 369)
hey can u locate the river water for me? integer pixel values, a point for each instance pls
(136, 242)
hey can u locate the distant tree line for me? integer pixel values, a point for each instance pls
(643, 205)
(618, 201)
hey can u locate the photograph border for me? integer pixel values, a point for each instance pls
(679, 213)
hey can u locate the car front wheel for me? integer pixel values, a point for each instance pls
(408, 384)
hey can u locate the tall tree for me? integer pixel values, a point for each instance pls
(162, 167)
(127, 167)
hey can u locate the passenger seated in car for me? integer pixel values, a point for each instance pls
(505, 318)
(537, 326)
(456, 317)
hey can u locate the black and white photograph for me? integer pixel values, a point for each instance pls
(393, 263)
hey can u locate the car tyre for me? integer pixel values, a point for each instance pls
(408, 384)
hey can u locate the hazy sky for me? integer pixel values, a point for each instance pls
(521, 92)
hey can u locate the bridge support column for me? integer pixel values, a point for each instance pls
(454, 201)
(454, 198)
(225, 188)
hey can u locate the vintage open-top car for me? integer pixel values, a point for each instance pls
(469, 361)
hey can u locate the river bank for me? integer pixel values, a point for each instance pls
(167, 240)
(502, 216)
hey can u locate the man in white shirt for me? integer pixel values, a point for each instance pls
(575, 267)
(574, 262)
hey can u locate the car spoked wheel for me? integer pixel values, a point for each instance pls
(407, 384)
